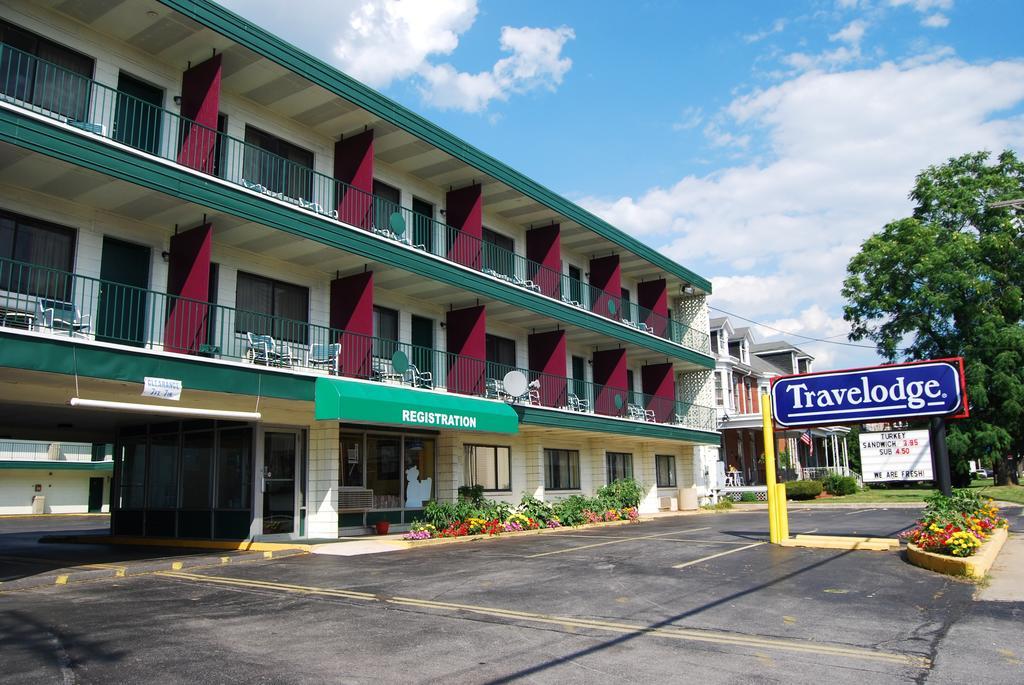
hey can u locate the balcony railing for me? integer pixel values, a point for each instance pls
(59, 303)
(53, 91)
(35, 450)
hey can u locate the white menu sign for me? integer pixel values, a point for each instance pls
(895, 455)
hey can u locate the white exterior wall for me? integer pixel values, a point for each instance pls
(322, 485)
(66, 492)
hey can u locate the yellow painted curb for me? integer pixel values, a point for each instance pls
(241, 545)
(838, 542)
(975, 566)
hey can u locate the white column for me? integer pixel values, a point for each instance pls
(644, 472)
(533, 450)
(322, 489)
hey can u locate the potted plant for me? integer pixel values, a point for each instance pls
(382, 527)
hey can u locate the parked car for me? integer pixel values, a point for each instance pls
(982, 473)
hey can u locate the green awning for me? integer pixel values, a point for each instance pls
(346, 400)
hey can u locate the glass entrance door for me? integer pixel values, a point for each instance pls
(280, 454)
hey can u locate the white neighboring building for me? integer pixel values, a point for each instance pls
(743, 371)
(71, 477)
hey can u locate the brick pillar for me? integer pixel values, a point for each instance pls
(606, 277)
(466, 340)
(188, 278)
(351, 317)
(353, 164)
(200, 104)
(322, 490)
(464, 213)
(544, 250)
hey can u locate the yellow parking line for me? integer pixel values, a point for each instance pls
(715, 556)
(668, 631)
(614, 542)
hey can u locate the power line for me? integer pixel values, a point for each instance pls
(798, 335)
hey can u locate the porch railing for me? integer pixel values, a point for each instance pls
(59, 303)
(50, 90)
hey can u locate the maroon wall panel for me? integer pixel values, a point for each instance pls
(352, 319)
(610, 382)
(200, 102)
(658, 381)
(606, 276)
(544, 246)
(547, 362)
(464, 212)
(653, 295)
(188, 287)
(353, 164)
(466, 340)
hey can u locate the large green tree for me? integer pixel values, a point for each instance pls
(947, 282)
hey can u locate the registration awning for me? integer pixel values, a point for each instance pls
(346, 400)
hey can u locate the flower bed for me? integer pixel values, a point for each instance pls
(956, 525)
(473, 515)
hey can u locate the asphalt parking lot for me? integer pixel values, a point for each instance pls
(694, 598)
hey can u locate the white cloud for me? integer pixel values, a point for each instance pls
(691, 117)
(380, 42)
(385, 40)
(844, 150)
(536, 62)
(852, 33)
(935, 21)
(923, 6)
(777, 26)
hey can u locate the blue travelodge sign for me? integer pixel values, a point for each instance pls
(881, 393)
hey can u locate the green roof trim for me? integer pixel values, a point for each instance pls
(58, 465)
(539, 416)
(138, 168)
(262, 42)
(348, 400)
(54, 355)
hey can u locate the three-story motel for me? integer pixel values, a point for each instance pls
(344, 311)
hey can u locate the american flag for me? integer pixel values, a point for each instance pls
(806, 439)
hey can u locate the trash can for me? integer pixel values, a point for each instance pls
(688, 500)
(38, 504)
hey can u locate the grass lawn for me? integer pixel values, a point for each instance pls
(1007, 493)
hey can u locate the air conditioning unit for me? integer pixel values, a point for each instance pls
(668, 504)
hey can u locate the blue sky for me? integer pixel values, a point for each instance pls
(757, 143)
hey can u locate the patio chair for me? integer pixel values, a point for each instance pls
(418, 379)
(323, 355)
(60, 317)
(382, 371)
(577, 404)
(263, 349)
(494, 389)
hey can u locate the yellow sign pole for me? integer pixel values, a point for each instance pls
(778, 516)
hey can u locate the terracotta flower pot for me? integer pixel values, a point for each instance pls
(382, 527)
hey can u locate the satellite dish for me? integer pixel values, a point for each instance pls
(400, 362)
(515, 383)
(397, 223)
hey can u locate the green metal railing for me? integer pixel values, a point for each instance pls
(53, 91)
(59, 303)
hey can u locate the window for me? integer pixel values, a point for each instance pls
(665, 465)
(42, 73)
(385, 332)
(489, 466)
(277, 165)
(39, 244)
(561, 469)
(498, 253)
(162, 472)
(714, 341)
(620, 465)
(269, 307)
(501, 356)
(234, 469)
(719, 395)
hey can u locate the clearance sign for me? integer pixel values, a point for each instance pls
(880, 393)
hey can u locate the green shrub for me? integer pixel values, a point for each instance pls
(538, 510)
(570, 510)
(621, 494)
(839, 485)
(491, 510)
(472, 493)
(803, 489)
(723, 504)
(748, 496)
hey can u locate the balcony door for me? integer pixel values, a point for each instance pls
(121, 311)
(138, 116)
(423, 343)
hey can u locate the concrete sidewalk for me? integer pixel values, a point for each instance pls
(1006, 578)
